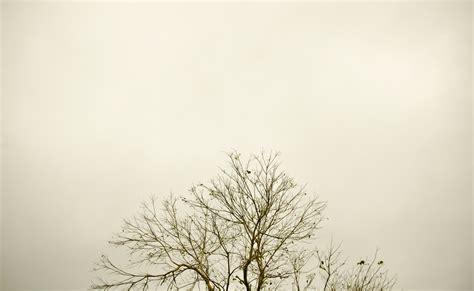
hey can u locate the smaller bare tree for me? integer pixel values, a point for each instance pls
(365, 275)
(368, 275)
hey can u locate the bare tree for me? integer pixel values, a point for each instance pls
(268, 208)
(246, 229)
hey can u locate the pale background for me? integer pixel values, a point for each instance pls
(106, 104)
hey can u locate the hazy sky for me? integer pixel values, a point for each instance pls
(106, 104)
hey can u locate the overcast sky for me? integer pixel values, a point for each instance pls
(106, 104)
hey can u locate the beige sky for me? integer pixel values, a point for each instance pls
(106, 104)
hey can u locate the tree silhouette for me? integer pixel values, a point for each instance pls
(247, 229)
(365, 275)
